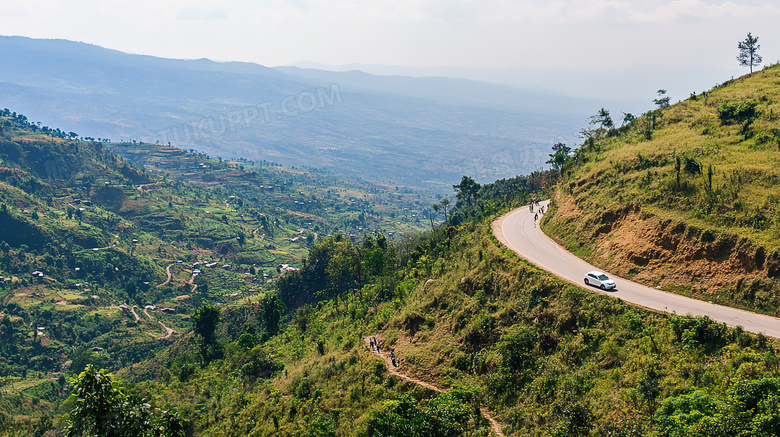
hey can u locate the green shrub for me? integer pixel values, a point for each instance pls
(738, 112)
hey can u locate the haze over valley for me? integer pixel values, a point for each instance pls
(421, 132)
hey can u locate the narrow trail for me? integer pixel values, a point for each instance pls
(148, 315)
(496, 427)
(168, 331)
(137, 319)
(168, 271)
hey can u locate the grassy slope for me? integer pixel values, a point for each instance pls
(620, 206)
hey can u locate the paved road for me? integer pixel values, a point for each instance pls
(517, 231)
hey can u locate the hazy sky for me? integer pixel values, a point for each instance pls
(584, 35)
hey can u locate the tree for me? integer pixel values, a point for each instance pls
(560, 156)
(101, 408)
(435, 208)
(206, 319)
(663, 100)
(467, 190)
(602, 118)
(748, 52)
(271, 312)
(445, 204)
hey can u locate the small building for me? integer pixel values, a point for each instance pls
(97, 349)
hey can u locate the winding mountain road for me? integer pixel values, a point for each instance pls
(518, 231)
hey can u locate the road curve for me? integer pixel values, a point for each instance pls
(517, 231)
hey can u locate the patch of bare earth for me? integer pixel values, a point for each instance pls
(660, 252)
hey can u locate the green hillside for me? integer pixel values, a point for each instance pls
(498, 337)
(88, 238)
(463, 313)
(685, 197)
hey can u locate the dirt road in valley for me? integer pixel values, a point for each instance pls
(494, 425)
(168, 331)
(168, 271)
(137, 319)
(518, 231)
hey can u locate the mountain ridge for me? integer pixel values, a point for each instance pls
(412, 138)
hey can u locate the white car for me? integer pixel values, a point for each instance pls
(596, 278)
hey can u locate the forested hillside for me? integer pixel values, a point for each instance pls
(684, 197)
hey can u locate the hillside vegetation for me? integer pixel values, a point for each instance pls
(685, 197)
(463, 313)
(459, 311)
(104, 261)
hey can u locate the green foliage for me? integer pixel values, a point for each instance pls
(101, 408)
(333, 268)
(740, 112)
(205, 320)
(748, 52)
(560, 156)
(467, 191)
(447, 414)
(747, 408)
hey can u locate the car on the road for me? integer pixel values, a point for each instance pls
(596, 278)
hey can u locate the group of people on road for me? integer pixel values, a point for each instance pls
(377, 346)
(531, 205)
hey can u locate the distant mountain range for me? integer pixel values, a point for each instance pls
(423, 132)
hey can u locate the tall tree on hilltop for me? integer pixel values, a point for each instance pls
(748, 52)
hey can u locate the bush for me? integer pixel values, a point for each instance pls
(739, 112)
